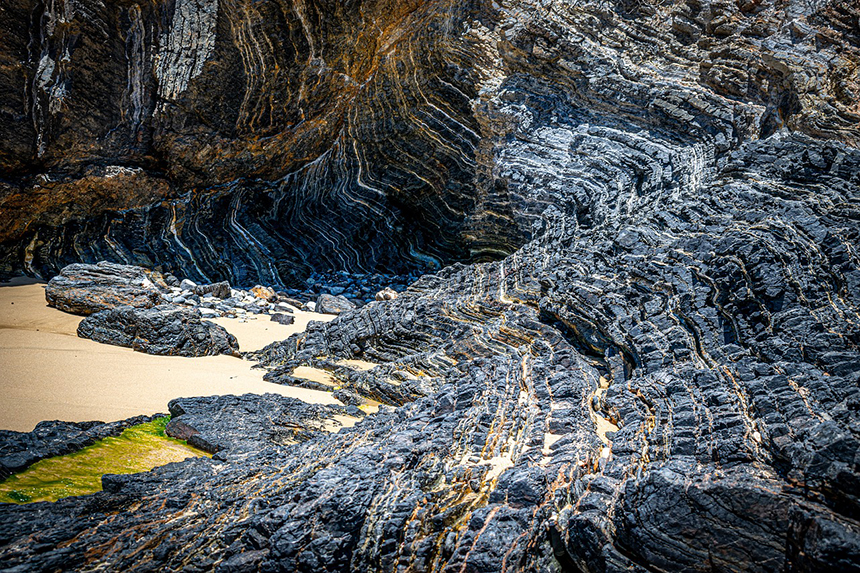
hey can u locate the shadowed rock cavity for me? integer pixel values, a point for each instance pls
(664, 376)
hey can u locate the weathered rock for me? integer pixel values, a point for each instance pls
(247, 424)
(386, 294)
(163, 330)
(264, 293)
(329, 304)
(220, 290)
(285, 319)
(291, 301)
(85, 289)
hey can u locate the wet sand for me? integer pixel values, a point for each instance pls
(48, 373)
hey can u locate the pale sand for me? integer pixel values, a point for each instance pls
(362, 365)
(257, 331)
(48, 373)
(315, 375)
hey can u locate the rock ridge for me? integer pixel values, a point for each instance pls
(651, 361)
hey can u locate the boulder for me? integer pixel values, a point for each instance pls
(220, 290)
(387, 293)
(329, 304)
(85, 289)
(163, 330)
(264, 293)
(281, 318)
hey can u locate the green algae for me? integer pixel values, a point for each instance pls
(139, 448)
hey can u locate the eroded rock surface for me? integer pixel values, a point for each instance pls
(329, 304)
(239, 426)
(662, 376)
(85, 289)
(163, 330)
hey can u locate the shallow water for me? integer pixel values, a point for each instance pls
(139, 448)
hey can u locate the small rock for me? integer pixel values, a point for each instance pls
(187, 285)
(387, 293)
(285, 319)
(291, 301)
(265, 293)
(220, 290)
(328, 304)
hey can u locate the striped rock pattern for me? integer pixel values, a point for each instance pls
(662, 376)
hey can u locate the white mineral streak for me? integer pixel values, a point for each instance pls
(257, 54)
(49, 86)
(184, 49)
(112, 171)
(135, 54)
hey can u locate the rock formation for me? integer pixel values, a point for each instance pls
(651, 362)
(281, 318)
(85, 289)
(237, 426)
(163, 330)
(328, 304)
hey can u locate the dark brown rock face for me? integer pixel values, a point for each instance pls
(251, 140)
(655, 368)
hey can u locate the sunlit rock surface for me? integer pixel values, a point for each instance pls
(662, 376)
(163, 330)
(86, 289)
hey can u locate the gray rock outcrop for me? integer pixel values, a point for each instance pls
(85, 289)
(333, 304)
(163, 330)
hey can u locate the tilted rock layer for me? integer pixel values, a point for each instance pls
(663, 376)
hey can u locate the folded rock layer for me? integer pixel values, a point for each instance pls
(655, 368)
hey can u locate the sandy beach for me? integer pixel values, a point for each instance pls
(48, 373)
